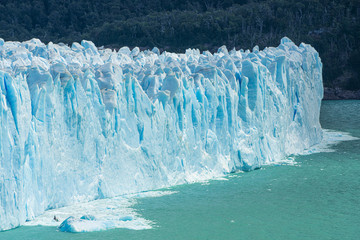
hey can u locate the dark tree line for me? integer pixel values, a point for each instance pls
(331, 26)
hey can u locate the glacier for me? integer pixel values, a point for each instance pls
(80, 123)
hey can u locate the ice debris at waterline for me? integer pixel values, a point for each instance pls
(80, 123)
(101, 214)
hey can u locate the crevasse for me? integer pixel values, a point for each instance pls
(80, 123)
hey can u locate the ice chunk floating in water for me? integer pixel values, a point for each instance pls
(79, 123)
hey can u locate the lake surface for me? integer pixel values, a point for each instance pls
(318, 197)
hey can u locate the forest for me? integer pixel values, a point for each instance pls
(331, 26)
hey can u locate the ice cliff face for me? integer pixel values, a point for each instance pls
(80, 123)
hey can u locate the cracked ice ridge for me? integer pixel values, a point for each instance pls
(81, 123)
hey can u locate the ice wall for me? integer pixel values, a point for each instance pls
(80, 123)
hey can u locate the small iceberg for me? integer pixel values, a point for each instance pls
(86, 223)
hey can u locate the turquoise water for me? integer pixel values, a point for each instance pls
(317, 198)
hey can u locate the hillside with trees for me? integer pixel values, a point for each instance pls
(331, 26)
